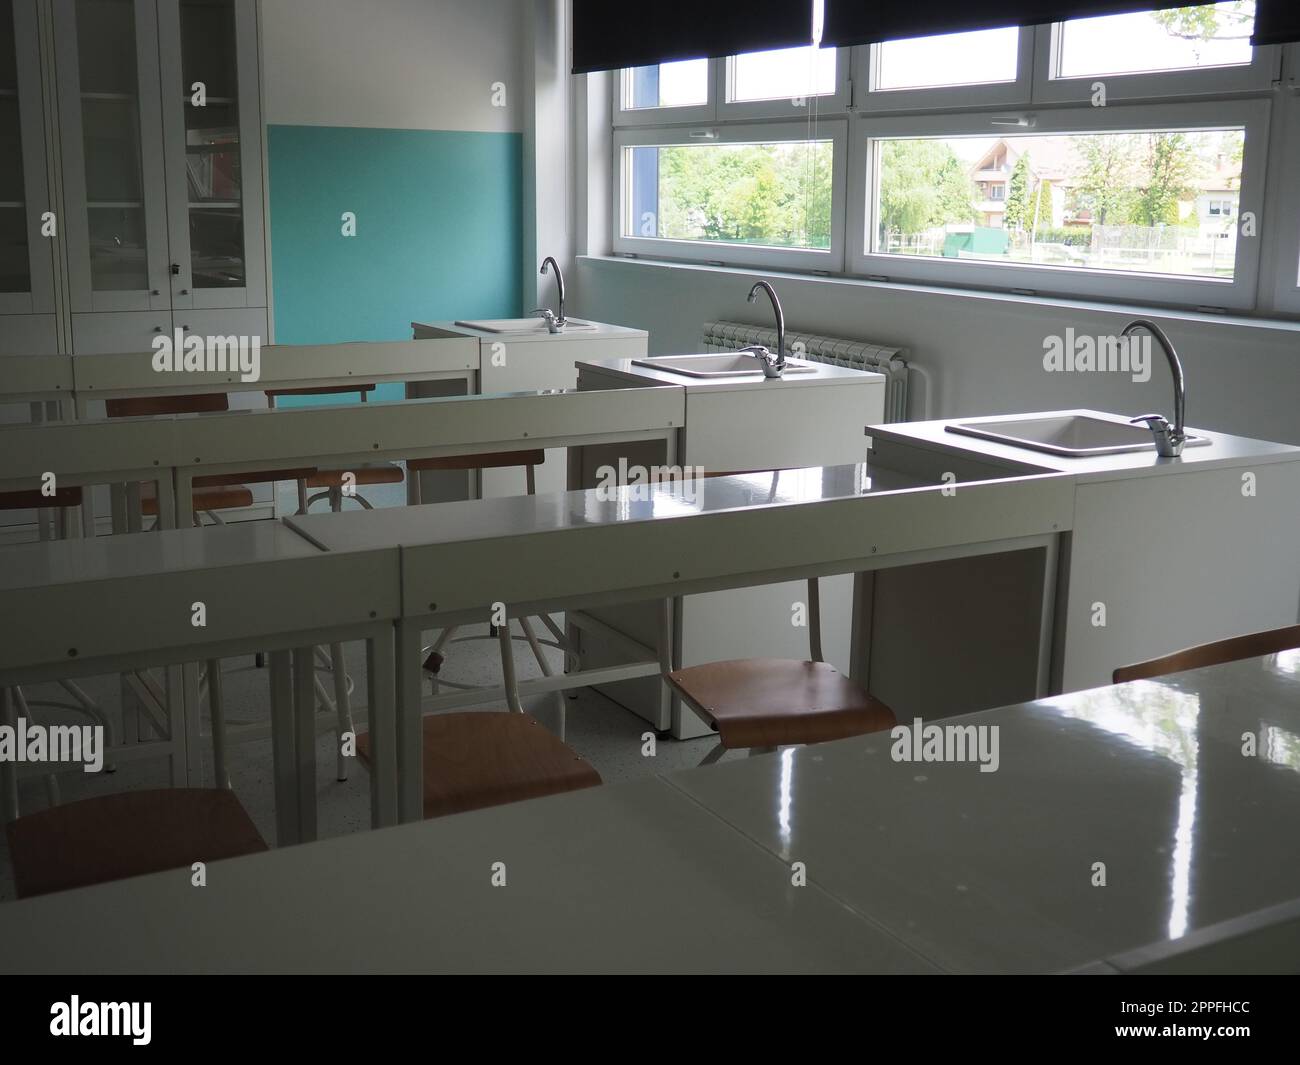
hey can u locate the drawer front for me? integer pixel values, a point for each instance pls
(246, 321)
(114, 332)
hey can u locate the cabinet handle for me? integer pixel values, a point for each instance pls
(157, 329)
(176, 269)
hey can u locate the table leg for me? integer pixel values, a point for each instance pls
(380, 655)
(282, 749)
(410, 740)
(304, 710)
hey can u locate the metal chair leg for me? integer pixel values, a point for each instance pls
(342, 707)
(8, 769)
(714, 755)
(527, 625)
(508, 669)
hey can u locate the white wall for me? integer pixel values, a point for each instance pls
(984, 352)
(393, 64)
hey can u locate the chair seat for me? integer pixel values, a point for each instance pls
(771, 702)
(476, 760)
(489, 461)
(379, 473)
(130, 834)
(35, 499)
(203, 499)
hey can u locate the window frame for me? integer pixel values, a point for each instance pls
(1050, 87)
(835, 130)
(700, 114)
(1286, 245)
(836, 103)
(869, 99)
(1059, 281)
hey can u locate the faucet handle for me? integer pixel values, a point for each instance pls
(1155, 422)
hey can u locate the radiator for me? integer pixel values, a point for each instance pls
(854, 354)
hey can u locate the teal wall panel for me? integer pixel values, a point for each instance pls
(438, 235)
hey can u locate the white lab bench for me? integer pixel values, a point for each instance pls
(520, 355)
(579, 552)
(910, 868)
(739, 423)
(79, 608)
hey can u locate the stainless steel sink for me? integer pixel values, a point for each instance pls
(1072, 435)
(522, 325)
(732, 365)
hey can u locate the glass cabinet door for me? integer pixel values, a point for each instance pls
(26, 253)
(208, 58)
(114, 179)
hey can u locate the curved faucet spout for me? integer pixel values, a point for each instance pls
(1169, 440)
(780, 318)
(559, 284)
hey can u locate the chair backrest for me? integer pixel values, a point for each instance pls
(1233, 649)
(331, 390)
(35, 499)
(143, 406)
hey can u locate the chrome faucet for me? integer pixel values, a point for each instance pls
(559, 284)
(772, 366)
(1169, 438)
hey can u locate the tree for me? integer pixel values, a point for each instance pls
(1018, 213)
(1170, 164)
(1105, 184)
(1207, 22)
(922, 185)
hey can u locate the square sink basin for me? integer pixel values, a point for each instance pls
(733, 365)
(1072, 435)
(524, 325)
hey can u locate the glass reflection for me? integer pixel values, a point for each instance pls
(1165, 721)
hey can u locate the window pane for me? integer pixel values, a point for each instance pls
(1156, 202)
(681, 84)
(770, 195)
(787, 73)
(981, 57)
(1209, 35)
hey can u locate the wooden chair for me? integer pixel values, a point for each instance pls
(766, 703)
(129, 834)
(489, 758)
(529, 460)
(1233, 649)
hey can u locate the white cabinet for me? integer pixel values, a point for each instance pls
(159, 128)
(27, 323)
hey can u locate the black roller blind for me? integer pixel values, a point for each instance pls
(1277, 22)
(610, 34)
(850, 22)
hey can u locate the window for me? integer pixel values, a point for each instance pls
(1199, 49)
(1217, 35)
(784, 74)
(1140, 176)
(991, 67)
(766, 192)
(666, 92)
(1105, 207)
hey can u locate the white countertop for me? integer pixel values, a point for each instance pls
(602, 331)
(823, 374)
(39, 565)
(1223, 450)
(909, 866)
(993, 871)
(442, 523)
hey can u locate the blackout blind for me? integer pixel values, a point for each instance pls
(1277, 22)
(609, 34)
(850, 22)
